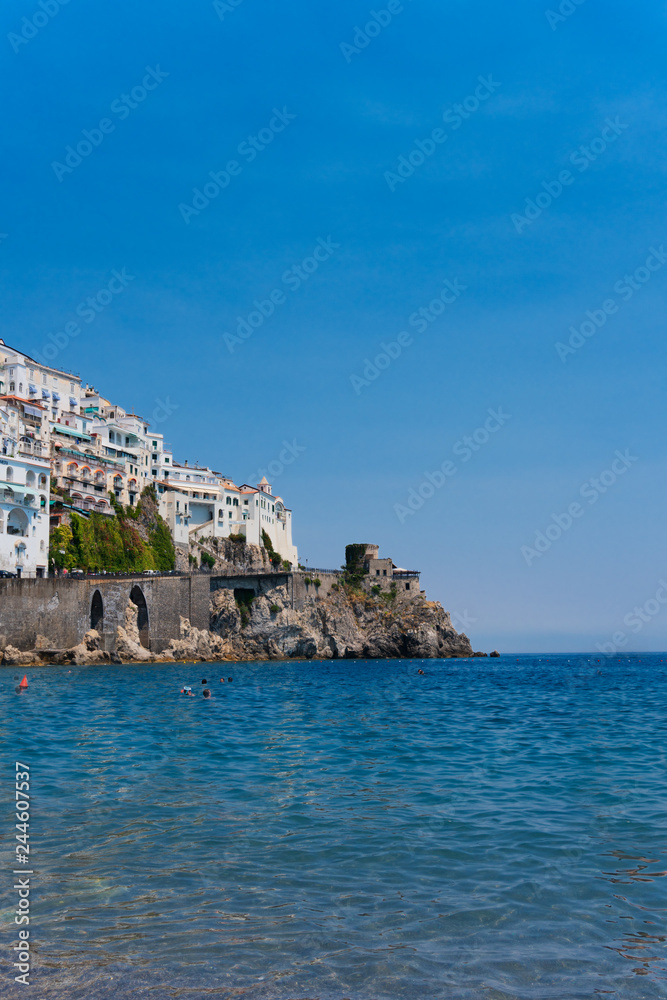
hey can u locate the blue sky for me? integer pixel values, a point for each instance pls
(220, 74)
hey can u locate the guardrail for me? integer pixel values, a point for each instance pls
(316, 569)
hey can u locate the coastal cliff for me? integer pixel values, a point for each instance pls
(341, 625)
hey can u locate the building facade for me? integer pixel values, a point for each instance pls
(59, 433)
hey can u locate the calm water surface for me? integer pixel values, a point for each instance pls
(492, 829)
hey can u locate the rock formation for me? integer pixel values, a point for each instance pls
(341, 625)
(345, 624)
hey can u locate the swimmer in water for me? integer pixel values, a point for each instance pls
(206, 693)
(187, 691)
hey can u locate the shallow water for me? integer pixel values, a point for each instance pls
(494, 828)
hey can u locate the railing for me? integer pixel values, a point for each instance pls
(408, 574)
(315, 569)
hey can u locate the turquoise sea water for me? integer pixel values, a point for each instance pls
(492, 829)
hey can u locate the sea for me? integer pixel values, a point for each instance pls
(344, 830)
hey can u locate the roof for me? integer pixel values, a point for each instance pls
(264, 482)
(20, 399)
(39, 364)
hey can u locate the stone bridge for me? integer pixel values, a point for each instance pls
(55, 613)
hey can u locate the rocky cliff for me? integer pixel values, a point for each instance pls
(343, 625)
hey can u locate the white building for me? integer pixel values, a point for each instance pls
(59, 391)
(203, 504)
(24, 490)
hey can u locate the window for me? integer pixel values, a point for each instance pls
(43, 379)
(236, 502)
(12, 387)
(377, 572)
(166, 461)
(384, 572)
(31, 372)
(229, 501)
(154, 445)
(230, 513)
(10, 474)
(11, 372)
(245, 503)
(178, 505)
(155, 458)
(407, 586)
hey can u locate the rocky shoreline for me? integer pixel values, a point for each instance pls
(342, 625)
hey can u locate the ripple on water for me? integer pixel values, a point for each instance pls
(347, 829)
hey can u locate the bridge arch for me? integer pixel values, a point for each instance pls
(138, 599)
(97, 612)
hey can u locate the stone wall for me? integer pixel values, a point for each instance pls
(55, 613)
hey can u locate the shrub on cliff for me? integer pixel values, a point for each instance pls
(354, 572)
(121, 544)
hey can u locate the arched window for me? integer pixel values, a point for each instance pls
(30, 478)
(42, 482)
(10, 474)
(17, 522)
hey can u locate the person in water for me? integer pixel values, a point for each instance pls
(206, 693)
(187, 691)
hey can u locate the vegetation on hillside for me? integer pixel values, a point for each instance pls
(354, 572)
(135, 539)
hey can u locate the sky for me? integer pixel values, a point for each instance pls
(470, 194)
